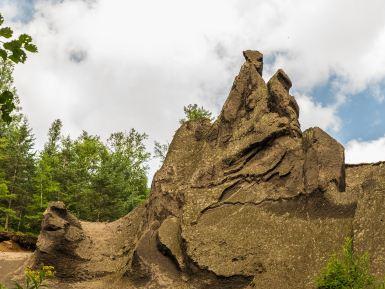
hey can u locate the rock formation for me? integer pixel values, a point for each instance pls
(249, 201)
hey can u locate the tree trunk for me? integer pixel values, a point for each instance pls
(19, 223)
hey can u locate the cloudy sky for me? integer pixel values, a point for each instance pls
(111, 65)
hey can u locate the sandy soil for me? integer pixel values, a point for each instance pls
(11, 258)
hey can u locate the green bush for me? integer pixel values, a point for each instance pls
(193, 113)
(348, 270)
(34, 279)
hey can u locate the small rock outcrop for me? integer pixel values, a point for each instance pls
(60, 235)
(249, 201)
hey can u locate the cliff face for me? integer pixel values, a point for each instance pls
(249, 201)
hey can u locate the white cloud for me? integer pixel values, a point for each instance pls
(109, 65)
(357, 151)
(315, 114)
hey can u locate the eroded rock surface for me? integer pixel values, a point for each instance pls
(249, 201)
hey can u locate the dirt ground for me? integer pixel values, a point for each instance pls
(11, 258)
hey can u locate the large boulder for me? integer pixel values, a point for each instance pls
(248, 201)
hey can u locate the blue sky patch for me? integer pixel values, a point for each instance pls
(362, 117)
(25, 9)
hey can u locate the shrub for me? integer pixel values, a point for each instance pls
(348, 270)
(193, 112)
(34, 279)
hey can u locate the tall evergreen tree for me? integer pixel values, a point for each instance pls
(87, 154)
(47, 184)
(98, 181)
(121, 182)
(18, 168)
(16, 159)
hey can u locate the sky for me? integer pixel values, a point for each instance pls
(111, 65)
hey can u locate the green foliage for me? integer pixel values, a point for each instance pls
(194, 113)
(98, 181)
(7, 105)
(12, 51)
(34, 279)
(120, 180)
(7, 91)
(160, 150)
(17, 169)
(348, 270)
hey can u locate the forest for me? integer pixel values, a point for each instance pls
(98, 180)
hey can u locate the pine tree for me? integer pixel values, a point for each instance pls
(47, 184)
(87, 154)
(17, 167)
(122, 180)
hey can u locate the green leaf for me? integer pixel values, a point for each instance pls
(25, 38)
(7, 106)
(6, 117)
(12, 45)
(3, 54)
(6, 96)
(6, 32)
(1, 19)
(30, 47)
(18, 55)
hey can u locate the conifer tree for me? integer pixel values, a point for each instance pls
(17, 166)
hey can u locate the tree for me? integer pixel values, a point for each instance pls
(16, 157)
(14, 51)
(48, 166)
(160, 150)
(5, 197)
(17, 166)
(46, 184)
(87, 154)
(7, 90)
(98, 181)
(122, 182)
(193, 112)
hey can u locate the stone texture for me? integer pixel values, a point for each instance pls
(324, 162)
(369, 222)
(61, 232)
(248, 201)
(170, 241)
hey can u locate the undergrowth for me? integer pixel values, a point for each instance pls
(348, 270)
(34, 279)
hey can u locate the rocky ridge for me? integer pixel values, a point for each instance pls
(249, 201)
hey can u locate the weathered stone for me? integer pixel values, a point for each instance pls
(369, 222)
(324, 161)
(170, 241)
(248, 201)
(61, 232)
(255, 58)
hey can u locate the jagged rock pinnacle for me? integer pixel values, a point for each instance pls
(256, 58)
(249, 201)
